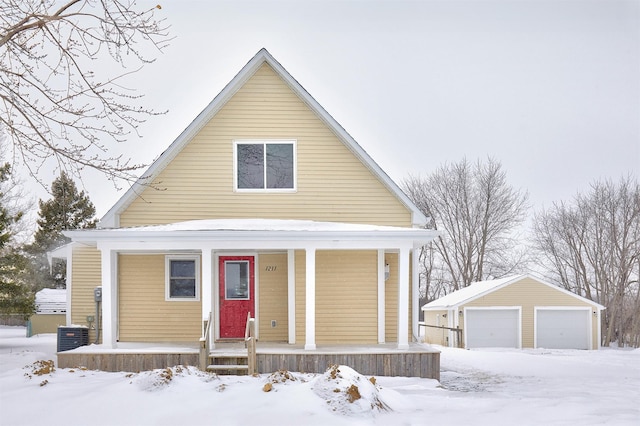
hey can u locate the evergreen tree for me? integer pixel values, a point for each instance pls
(67, 209)
(16, 297)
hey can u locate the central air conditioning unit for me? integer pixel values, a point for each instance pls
(72, 337)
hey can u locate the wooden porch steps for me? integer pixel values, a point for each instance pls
(225, 364)
(218, 367)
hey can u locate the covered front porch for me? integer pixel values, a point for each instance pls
(304, 299)
(417, 360)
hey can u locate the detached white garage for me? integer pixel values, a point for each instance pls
(513, 312)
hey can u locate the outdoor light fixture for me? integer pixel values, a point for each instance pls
(386, 271)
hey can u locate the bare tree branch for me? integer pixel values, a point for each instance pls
(592, 247)
(53, 106)
(477, 213)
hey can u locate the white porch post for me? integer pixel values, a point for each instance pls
(109, 298)
(69, 283)
(310, 298)
(381, 298)
(291, 295)
(207, 283)
(415, 295)
(403, 298)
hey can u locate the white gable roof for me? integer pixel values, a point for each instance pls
(480, 288)
(111, 218)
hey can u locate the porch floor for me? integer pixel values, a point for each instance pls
(419, 360)
(285, 348)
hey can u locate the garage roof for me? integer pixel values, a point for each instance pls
(480, 288)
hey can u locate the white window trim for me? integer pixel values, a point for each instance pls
(265, 142)
(167, 276)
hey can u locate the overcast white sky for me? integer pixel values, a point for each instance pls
(549, 88)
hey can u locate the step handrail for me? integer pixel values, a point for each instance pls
(247, 332)
(250, 343)
(205, 344)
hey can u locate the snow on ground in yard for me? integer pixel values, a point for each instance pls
(483, 387)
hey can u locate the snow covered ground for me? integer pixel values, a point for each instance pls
(482, 387)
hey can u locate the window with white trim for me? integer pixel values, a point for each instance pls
(265, 165)
(236, 280)
(182, 278)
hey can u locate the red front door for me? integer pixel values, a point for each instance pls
(237, 294)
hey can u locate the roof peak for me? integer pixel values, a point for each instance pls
(111, 218)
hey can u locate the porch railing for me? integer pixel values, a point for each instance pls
(205, 344)
(250, 343)
(458, 342)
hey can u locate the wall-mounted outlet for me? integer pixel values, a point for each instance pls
(90, 318)
(273, 323)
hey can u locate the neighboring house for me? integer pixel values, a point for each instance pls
(515, 312)
(263, 205)
(51, 311)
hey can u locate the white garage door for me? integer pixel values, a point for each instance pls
(492, 328)
(563, 328)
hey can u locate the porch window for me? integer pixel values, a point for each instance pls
(265, 165)
(182, 278)
(236, 281)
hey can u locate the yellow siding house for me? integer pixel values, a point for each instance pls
(264, 205)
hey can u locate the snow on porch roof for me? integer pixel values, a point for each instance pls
(268, 228)
(262, 225)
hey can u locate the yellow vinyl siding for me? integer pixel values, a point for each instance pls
(391, 300)
(145, 315)
(332, 183)
(346, 297)
(273, 299)
(85, 276)
(46, 323)
(436, 336)
(529, 294)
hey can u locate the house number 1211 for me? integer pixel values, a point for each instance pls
(270, 268)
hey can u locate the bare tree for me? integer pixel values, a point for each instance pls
(54, 102)
(477, 213)
(592, 246)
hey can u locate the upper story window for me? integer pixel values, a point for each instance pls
(265, 165)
